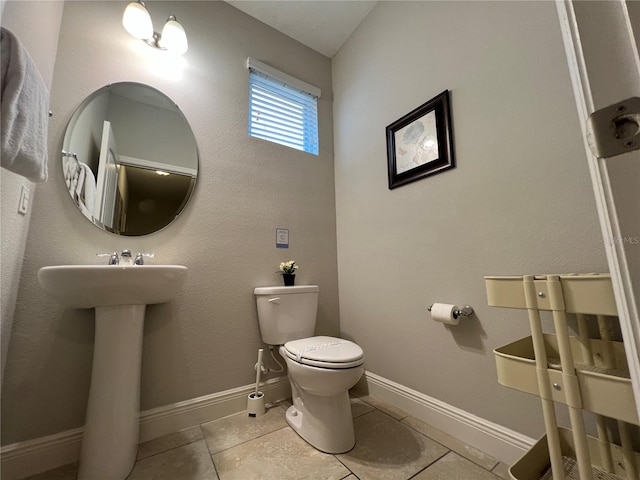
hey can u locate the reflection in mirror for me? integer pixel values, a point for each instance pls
(130, 159)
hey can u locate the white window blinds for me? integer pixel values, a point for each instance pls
(282, 109)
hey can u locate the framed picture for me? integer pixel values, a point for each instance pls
(420, 144)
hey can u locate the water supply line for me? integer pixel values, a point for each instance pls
(281, 369)
(266, 370)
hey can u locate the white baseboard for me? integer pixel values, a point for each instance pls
(22, 459)
(500, 442)
(26, 458)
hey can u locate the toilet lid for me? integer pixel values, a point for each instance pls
(329, 352)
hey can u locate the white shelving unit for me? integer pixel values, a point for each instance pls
(580, 372)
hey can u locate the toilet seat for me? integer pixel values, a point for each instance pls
(325, 352)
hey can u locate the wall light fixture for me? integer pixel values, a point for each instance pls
(137, 21)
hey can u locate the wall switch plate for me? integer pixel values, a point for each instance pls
(23, 204)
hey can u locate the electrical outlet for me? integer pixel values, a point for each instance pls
(23, 204)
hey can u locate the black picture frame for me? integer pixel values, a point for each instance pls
(420, 144)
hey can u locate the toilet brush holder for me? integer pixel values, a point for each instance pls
(255, 404)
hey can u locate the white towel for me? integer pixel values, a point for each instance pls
(87, 195)
(69, 167)
(24, 105)
(79, 183)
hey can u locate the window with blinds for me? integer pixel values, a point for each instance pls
(282, 109)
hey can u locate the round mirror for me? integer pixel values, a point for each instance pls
(130, 159)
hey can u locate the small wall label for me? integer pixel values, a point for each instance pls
(282, 238)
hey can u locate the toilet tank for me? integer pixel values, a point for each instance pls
(286, 313)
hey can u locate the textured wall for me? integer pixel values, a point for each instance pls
(37, 25)
(519, 200)
(206, 340)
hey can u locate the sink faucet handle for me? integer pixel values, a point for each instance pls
(113, 257)
(140, 258)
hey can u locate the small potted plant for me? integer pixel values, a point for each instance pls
(288, 272)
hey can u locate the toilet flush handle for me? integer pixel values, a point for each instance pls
(275, 300)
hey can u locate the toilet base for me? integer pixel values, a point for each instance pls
(324, 422)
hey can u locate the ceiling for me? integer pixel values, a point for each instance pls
(323, 25)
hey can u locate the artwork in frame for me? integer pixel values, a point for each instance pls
(420, 144)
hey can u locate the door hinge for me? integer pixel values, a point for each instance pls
(615, 129)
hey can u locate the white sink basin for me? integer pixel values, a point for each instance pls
(120, 295)
(88, 286)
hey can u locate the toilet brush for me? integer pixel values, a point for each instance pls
(255, 402)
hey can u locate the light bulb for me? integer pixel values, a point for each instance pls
(173, 37)
(137, 21)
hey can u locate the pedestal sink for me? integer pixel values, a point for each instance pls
(120, 295)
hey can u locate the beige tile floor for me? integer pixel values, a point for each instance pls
(390, 445)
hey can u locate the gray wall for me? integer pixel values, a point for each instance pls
(84, 133)
(518, 202)
(206, 340)
(37, 25)
(140, 133)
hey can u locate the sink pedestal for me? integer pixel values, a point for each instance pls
(110, 441)
(120, 294)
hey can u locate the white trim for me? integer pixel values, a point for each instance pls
(41, 454)
(151, 165)
(254, 64)
(159, 421)
(634, 34)
(500, 442)
(26, 458)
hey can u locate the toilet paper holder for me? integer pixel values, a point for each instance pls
(466, 311)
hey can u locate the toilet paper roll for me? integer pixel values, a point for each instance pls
(444, 313)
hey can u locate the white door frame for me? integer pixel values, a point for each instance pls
(602, 54)
(107, 181)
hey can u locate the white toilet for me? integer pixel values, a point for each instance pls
(321, 369)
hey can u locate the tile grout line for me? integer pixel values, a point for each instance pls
(490, 470)
(241, 443)
(169, 449)
(215, 469)
(138, 459)
(449, 450)
(342, 463)
(206, 445)
(246, 441)
(432, 463)
(406, 415)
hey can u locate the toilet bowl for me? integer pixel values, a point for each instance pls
(321, 369)
(321, 410)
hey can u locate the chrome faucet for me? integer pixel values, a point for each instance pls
(125, 257)
(113, 257)
(140, 258)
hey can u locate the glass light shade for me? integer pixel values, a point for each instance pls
(173, 37)
(137, 21)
